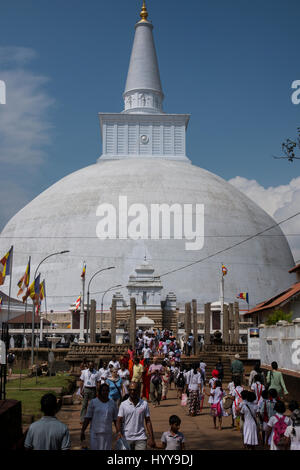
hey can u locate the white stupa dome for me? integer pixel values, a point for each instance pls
(144, 160)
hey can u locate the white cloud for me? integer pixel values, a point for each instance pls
(279, 201)
(25, 128)
(24, 123)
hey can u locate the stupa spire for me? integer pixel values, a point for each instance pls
(144, 12)
(143, 90)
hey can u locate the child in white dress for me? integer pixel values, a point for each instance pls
(211, 383)
(217, 410)
(279, 409)
(249, 410)
(257, 387)
(236, 391)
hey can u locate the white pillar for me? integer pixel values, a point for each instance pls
(41, 327)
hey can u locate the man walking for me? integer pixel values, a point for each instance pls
(133, 415)
(237, 368)
(89, 378)
(156, 370)
(48, 433)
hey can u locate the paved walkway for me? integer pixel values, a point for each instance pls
(198, 431)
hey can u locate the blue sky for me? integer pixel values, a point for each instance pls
(230, 64)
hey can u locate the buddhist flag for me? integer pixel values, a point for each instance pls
(244, 296)
(42, 290)
(5, 266)
(83, 271)
(69, 325)
(24, 281)
(78, 303)
(33, 291)
(224, 270)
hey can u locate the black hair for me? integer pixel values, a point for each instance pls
(102, 386)
(258, 378)
(244, 394)
(274, 365)
(265, 394)
(273, 393)
(195, 367)
(219, 384)
(293, 405)
(279, 407)
(49, 404)
(174, 419)
(251, 396)
(257, 368)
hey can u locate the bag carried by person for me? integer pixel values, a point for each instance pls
(122, 444)
(279, 430)
(184, 399)
(180, 382)
(156, 380)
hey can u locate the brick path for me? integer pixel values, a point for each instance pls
(198, 431)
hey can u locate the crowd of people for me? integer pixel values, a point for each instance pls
(117, 393)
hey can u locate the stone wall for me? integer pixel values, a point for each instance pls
(281, 343)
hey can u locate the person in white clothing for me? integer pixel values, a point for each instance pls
(273, 424)
(202, 370)
(115, 364)
(88, 387)
(132, 415)
(237, 399)
(257, 387)
(292, 432)
(146, 351)
(125, 376)
(217, 410)
(194, 383)
(101, 413)
(103, 372)
(249, 410)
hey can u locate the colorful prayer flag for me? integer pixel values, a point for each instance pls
(78, 304)
(244, 296)
(24, 281)
(83, 271)
(5, 266)
(42, 290)
(224, 270)
(33, 291)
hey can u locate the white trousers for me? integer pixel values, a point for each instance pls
(100, 441)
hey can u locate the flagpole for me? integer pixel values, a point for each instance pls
(9, 294)
(222, 300)
(45, 308)
(23, 344)
(81, 326)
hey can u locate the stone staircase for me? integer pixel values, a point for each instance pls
(211, 360)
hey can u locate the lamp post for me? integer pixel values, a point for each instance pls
(101, 313)
(35, 273)
(88, 295)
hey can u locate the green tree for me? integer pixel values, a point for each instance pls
(279, 315)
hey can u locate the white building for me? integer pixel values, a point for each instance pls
(144, 196)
